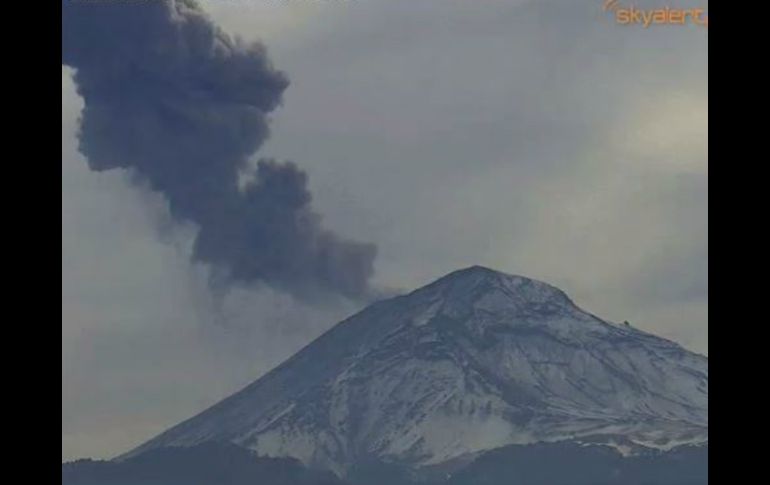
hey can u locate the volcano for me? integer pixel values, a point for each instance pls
(474, 361)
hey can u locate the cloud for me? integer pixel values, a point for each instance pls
(182, 105)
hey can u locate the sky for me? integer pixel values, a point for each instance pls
(535, 137)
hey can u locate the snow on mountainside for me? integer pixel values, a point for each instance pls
(474, 361)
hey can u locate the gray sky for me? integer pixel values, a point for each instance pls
(535, 137)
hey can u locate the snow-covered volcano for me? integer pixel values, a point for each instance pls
(474, 361)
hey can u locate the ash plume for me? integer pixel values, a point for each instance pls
(170, 97)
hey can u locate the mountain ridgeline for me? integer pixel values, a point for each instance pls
(479, 377)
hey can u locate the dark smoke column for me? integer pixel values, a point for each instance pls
(183, 106)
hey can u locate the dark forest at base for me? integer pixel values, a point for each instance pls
(564, 463)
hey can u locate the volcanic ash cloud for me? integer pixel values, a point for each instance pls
(183, 106)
